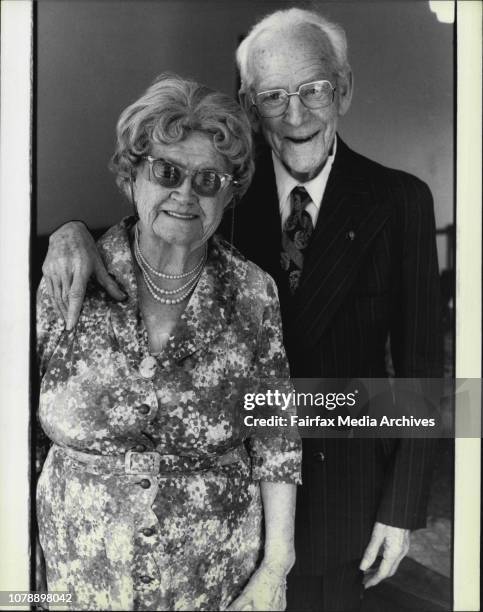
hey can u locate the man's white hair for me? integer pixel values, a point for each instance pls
(285, 20)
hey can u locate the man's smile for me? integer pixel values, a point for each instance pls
(302, 140)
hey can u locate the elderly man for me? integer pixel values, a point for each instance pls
(351, 245)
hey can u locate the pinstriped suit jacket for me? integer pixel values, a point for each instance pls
(371, 273)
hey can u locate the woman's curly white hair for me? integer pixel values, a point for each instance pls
(170, 109)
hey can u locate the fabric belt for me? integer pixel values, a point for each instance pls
(152, 462)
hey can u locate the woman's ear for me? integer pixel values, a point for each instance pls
(132, 179)
(232, 202)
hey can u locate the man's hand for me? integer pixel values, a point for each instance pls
(395, 543)
(71, 259)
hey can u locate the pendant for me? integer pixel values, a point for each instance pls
(147, 367)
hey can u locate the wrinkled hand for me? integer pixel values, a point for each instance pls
(395, 543)
(264, 591)
(71, 259)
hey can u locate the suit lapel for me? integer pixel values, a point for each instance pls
(348, 221)
(258, 232)
(350, 217)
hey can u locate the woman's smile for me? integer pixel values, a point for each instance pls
(179, 215)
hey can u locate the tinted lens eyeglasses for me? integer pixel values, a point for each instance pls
(206, 183)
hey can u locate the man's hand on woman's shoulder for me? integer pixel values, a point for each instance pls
(71, 260)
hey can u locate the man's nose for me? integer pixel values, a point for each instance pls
(295, 113)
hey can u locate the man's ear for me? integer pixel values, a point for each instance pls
(345, 86)
(250, 109)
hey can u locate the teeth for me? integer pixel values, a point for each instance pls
(179, 215)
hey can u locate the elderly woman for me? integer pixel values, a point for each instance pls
(150, 497)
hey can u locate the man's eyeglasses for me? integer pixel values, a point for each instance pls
(206, 183)
(274, 102)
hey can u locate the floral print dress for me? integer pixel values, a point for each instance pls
(117, 531)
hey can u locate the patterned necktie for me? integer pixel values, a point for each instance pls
(296, 234)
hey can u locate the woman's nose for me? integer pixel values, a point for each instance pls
(184, 192)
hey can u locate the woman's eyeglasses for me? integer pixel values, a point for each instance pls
(274, 102)
(206, 183)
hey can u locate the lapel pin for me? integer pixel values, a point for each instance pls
(350, 235)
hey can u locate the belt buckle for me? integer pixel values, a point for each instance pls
(147, 462)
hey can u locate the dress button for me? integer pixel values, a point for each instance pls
(145, 579)
(147, 367)
(143, 409)
(148, 531)
(139, 448)
(319, 456)
(145, 483)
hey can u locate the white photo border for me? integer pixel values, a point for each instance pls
(15, 224)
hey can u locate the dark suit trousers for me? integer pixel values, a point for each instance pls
(338, 590)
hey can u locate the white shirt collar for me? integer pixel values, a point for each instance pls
(315, 187)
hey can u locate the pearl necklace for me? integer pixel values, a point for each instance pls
(188, 287)
(157, 272)
(158, 292)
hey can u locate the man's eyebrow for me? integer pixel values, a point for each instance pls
(320, 75)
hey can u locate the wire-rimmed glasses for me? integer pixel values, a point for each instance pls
(274, 102)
